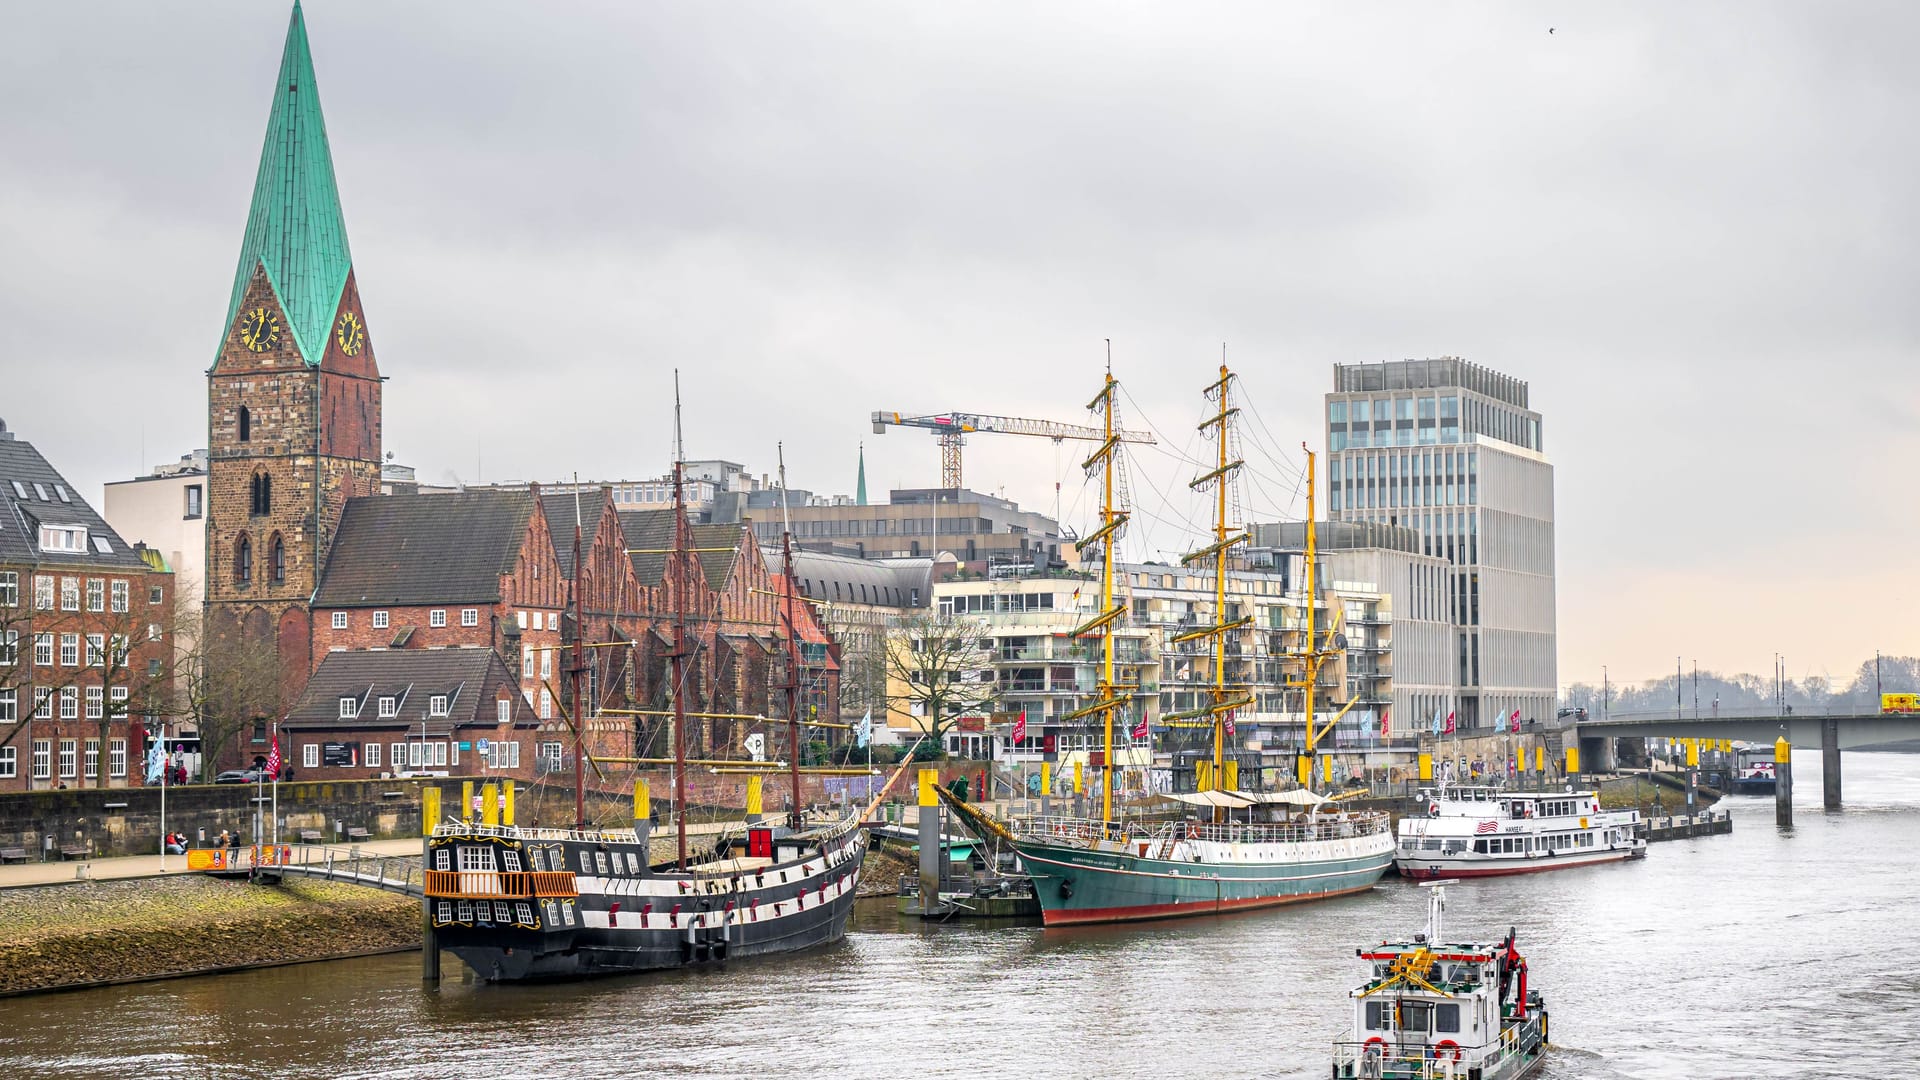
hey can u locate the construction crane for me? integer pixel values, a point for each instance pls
(953, 428)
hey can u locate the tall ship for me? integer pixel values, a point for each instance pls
(1241, 849)
(531, 904)
(1485, 832)
(1435, 1009)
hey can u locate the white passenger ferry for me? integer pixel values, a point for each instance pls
(1434, 1009)
(1480, 832)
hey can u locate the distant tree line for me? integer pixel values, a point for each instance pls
(1749, 695)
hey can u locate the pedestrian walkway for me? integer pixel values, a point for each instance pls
(15, 875)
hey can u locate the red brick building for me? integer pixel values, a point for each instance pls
(370, 713)
(86, 635)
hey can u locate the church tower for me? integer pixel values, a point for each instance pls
(293, 396)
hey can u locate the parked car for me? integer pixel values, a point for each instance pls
(241, 776)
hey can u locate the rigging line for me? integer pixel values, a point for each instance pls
(1282, 459)
(1185, 458)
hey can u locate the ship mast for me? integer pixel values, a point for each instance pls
(1113, 520)
(1222, 700)
(676, 581)
(1313, 657)
(787, 600)
(579, 674)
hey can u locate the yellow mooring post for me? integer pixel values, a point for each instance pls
(1426, 766)
(506, 802)
(1573, 761)
(466, 801)
(429, 936)
(489, 805)
(930, 853)
(1782, 784)
(1540, 760)
(1693, 753)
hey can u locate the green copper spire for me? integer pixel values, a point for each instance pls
(860, 489)
(295, 228)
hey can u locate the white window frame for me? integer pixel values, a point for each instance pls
(526, 664)
(546, 663)
(389, 706)
(116, 759)
(503, 710)
(43, 592)
(9, 763)
(437, 617)
(9, 648)
(43, 649)
(90, 760)
(380, 620)
(43, 759)
(9, 588)
(370, 755)
(118, 597)
(117, 701)
(69, 650)
(546, 704)
(96, 703)
(437, 705)
(69, 759)
(469, 616)
(9, 705)
(69, 594)
(349, 708)
(339, 620)
(69, 703)
(310, 755)
(43, 702)
(96, 650)
(523, 620)
(397, 760)
(96, 595)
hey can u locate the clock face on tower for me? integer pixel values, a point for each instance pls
(352, 334)
(260, 330)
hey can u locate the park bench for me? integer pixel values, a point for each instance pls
(310, 836)
(358, 834)
(13, 854)
(76, 853)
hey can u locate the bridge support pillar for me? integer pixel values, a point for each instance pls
(1783, 784)
(1830, 763)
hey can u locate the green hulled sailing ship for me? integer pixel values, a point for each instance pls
(1236, 849)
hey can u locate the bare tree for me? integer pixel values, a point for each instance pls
(226, 684)
(943, 666)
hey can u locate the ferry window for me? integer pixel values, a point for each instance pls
(476, 858)
(1480, 847)
(1446, 1018)
(483, 911)
(1373, 1016)
(512, 859)
(466, 911)
(533, 857)
(553, 912)
(500, 912)
(600, 857)
(440, 859)
(586, 862)
(445, 912)
(1416, 1016)
(524, 910)
(566, 909)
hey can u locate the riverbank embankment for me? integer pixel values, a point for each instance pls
(90, 933)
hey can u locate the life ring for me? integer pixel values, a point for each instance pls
(1433, 809)
(1375, 1045)
(1440, 1048)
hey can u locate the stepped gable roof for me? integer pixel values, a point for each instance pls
(470, 680)
(650, 537)
(559, 509)
(32, 494)
(294, 227)
(425, 549)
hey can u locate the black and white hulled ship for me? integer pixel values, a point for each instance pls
(524, 904)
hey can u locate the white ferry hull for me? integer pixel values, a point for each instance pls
(1442, 866)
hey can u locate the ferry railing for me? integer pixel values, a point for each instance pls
(501, 885)
(1415, 1060)
(1164, 834)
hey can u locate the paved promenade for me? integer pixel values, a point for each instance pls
(15, 875)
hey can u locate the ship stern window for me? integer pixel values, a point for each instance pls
(512, 860)
(524, 910)
(1446, 1018)
(533, 858)
(600, 858)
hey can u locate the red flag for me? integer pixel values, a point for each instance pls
(1515, 718)
(1449, 730)
(1139, 730)
(273, 757)
(1386, 722)
(1229, 723)
(1019, 727)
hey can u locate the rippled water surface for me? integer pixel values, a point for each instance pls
(1756, 954)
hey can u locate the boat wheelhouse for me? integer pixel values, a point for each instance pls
(522, 904)
(1431, 1008)
(1753, 770)
(1481, 832)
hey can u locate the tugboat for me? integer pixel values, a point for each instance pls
(1482, 832)
(1432, 1009)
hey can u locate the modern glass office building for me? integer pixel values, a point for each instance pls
(1453, 450)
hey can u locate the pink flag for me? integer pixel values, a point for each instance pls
(273, 757)
(1229, 723)
(1449, 730)
(1139, 730)
(1020, 726)
(1386, 722)
(1515, 718)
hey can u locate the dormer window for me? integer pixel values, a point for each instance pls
(389, 707)
(437, 705)
(63, 538)
(349, 708)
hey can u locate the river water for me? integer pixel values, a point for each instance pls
(1757, 954)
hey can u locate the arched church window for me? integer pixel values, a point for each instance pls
(246, 424)
(277, 560)
(262, 494)
(243, 559)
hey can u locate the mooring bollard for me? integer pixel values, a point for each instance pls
(1782, 784)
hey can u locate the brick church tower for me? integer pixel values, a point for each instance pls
(293, 397)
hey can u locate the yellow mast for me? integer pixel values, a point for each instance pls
(1219, 704)
(1313, 644)
(1112, 521)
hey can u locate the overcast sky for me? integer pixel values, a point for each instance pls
(1687, 226)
